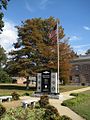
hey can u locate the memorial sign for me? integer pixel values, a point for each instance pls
(46, 80)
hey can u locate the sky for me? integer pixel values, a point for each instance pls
(74, 16)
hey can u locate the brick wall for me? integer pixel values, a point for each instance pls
(80, 72)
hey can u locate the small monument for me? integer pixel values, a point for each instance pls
(47, 83)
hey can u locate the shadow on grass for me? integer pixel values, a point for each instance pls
(15, 87)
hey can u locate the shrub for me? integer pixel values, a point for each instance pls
(2, 110)
(44, 100)
(37, 105)
(51, 113)
(70, 102)
(52, 109)
(64, 117)
(15, 96)
(64, 103)
(74, 94)
(24, 114)
(83, 84)
(26, 94)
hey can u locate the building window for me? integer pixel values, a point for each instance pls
(85, 67)
(70, 78)
(88, 67)
(87, 77)
(76, 67)
(77, 79)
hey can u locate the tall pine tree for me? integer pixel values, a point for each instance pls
(3, 4)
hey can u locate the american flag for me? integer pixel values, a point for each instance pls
(53, 34)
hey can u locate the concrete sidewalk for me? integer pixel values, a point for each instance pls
(65, 110)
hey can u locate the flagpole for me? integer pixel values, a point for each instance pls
(58, 56)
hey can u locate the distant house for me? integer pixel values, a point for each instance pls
(80, 72)
(18, 80)
(22, 80)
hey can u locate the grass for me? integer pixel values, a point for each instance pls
(70, 88)
(7, 89)
(80, 104)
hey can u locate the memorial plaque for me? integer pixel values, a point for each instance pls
(54, 83)
(39, 80)
(46, 80)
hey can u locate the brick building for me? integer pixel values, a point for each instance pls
(80, 72)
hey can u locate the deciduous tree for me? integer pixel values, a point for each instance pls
(35, 51)
(88, 52)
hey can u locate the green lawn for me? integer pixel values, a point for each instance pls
(7, 89)
(70, 87)
(80, 104)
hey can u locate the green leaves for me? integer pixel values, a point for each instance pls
(4, 77)
(3, 56)
(3, 4)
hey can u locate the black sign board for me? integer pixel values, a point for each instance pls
(46, 80)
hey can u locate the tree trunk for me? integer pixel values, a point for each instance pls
(27, 83)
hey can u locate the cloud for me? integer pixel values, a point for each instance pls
(82, 46)
(81, 49)
(81, 52)
(35, 5)
(28, 7)
(8, 36)
(74, 38)
(43, 4)
(86, 28)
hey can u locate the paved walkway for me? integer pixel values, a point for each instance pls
(65, 110)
